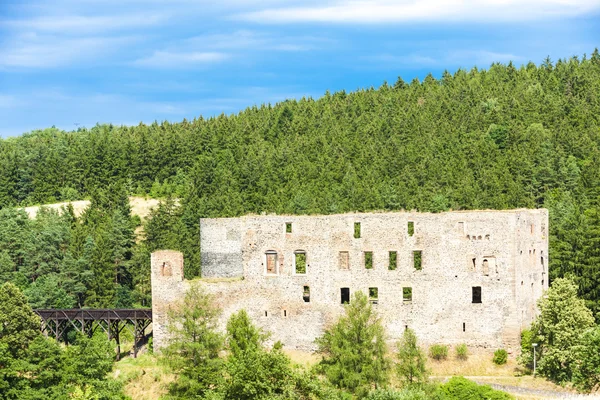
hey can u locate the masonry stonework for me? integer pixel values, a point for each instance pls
(469, 277)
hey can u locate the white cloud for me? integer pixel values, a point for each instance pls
(78, 24)
(46, 52)
(246, 40)
(389, 11)
(181, 59)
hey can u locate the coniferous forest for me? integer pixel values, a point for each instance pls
(500, 138)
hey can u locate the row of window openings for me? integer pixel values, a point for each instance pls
(410, 228)
(374, 295)
(344, 261)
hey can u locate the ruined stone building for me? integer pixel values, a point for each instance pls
(469, 277)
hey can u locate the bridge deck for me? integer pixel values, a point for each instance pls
(94, 314)
(57, 322)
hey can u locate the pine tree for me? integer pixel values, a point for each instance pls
(354, 349)
(411, 368)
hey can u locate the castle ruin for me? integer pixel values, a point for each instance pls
(469, 277)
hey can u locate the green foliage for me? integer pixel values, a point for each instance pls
(35, 367)
(411, 368)
(526, 357)
(354, 350)
(242, 335)
(500, 357)
(459, 388)
(194, 344)
(560, 326)
(404, 394)
(462, 352)
(19, 326)
(438, 352)
(586, 372)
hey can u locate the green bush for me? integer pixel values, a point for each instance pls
(500, 357)
(438, 352)
(404, 394)
(462, 352)
(459, 388)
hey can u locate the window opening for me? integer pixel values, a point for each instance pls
(356, 230)
(476, 294)
(368, 260)
(464, 327)
(166, 269)
(393, 257)
(417, 260)
(542, 261)
(265, 313)
(285, 313)
(411, 228)
(474, 264)
(300, 261)
(288, 227)
(345, 292)
(271, 262)
(406, 294)
(306, 294)
(344, 260)
(486, 267)
(373, 295)
(487, 237)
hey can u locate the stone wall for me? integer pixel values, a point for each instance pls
(504, 253)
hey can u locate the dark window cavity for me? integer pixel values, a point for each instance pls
(306, 294)
(345, 292)
(288, 227)
(476, 294)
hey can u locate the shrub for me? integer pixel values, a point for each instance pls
(462, 352)
(500, 357)
(459, 388)
(438, 352)
(404, 394)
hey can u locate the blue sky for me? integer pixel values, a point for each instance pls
(74, 63)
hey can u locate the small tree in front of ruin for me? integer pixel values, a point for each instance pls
(194, 345)
(354, 349)
(411, 368)
(560, 329)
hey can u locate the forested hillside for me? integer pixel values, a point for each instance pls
(499, 138)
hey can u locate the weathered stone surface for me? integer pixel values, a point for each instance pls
(503, 252)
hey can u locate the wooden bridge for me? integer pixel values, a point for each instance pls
(56, 323)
